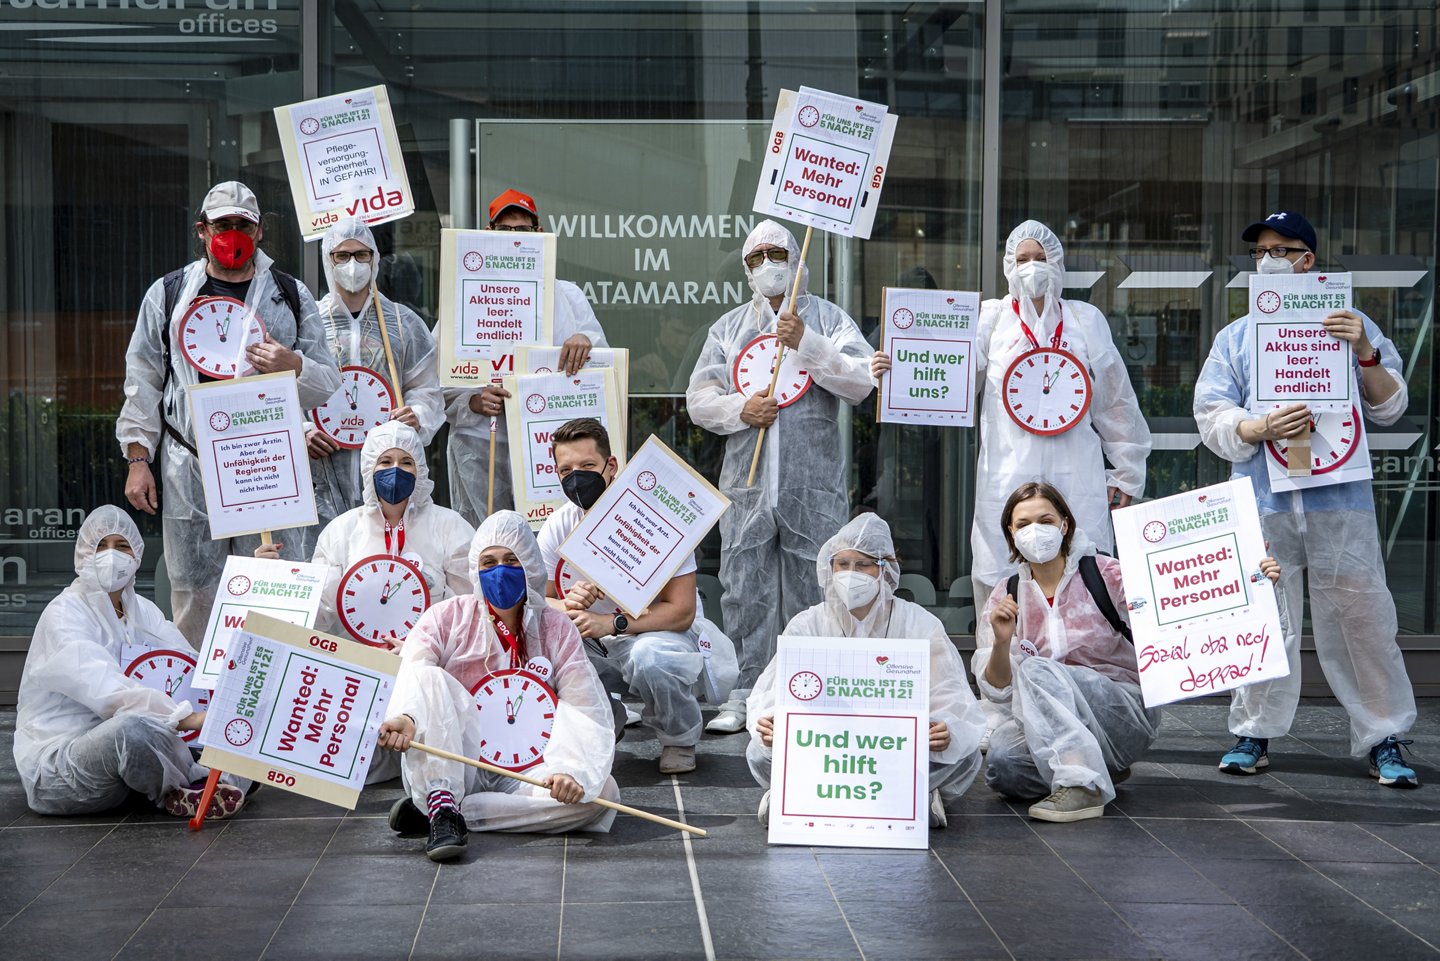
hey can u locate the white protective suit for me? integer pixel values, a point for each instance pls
(951, 700)
(771, 535)
(195, 562)
(85, 734)
(355, 339)
(1073, 713)
(452, 648)
(1113, 429)
(468, 453)
(1331, 533)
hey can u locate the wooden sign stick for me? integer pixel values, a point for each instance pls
(780, 354)
(490, 497)
(1298, 461)
(385, 340)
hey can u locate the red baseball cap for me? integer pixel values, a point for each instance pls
(513, 198)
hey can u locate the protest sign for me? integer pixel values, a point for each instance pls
(537, 359)
(298, 709)
(1339, 454)
(344, 160)
(826, 161)
(1205, 619)
(250, 438)
(929, 335)
(286, 590)
(646, 524)
(852, 742)
(171, 672)
(497, 290)
(1294, 359)
(537, 405)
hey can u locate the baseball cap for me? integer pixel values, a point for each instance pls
(513, 198)
(1286, 223)
(231, 199)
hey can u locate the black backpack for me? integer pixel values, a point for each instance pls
(1099, 593)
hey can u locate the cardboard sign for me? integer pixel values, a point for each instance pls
(343, 158)
(930, 337)
(535, 359)
(1205, 619)
(826, 161)
(298, 709)
(1339, 454)
(286, 590)
(852, 743)
(250, 436)
(1294, 359)
(646, 524)
(497, 290)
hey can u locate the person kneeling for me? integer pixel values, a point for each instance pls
(858, 575)
(457, 644)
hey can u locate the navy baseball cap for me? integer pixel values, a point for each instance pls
(1286, 223)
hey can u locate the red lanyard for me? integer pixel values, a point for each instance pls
(399, 539)
(1030, 334)
(513, 642)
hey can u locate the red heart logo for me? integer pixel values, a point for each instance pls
(858, 108)
(881, 659)
(517, 243)
(692, 493)
(1322, 278)
(294, 570)
(347, 99)
(949, 300)
(232, 666)
(1202, 498)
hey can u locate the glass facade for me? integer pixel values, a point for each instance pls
(1146, 134)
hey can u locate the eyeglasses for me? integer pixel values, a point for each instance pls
(518, 228)
(1259, 253)
(239, 223)
(865, 565)
(345, 256)
(776, 255)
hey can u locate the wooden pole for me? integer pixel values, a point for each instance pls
(490, 497)
(1298, 461)
(266, 539)
(385, 340)
(780, 354)
(612, 805)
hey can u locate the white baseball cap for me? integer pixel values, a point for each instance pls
(231, 199)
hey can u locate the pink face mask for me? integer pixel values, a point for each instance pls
(232, 249)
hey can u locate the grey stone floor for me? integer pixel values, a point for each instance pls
(1311, 860)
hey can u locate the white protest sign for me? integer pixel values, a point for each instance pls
(286, 590)
(343, 158)
(852, 742)
(497, 290)
(537, 405)
(299, 710)
(250, 437)
(826, 161)
(1205, 618)
(1294, 359)
(645, 525)
(537, 359)
(1339, 454)
(930, 336)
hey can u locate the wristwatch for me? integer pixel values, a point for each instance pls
(1373, 361)
(622, 623)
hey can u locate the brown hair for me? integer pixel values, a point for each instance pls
(580, 429)
(1025, 492)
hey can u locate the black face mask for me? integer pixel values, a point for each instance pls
(583, 487)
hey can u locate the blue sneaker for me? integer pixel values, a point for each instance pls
(1388, 764)
(1247, 756)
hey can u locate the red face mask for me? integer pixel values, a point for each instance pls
(232, 249)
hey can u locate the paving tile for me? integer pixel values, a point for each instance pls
(793, 874)
(51, 844)
(161, 841)
(370, 880)
(372, 837)
(531, 877)
(218, 881)
(1166, 880)
(598, 878)
(1030, 930)
(764, 927)
(1328, 841)
(1175, 799)
(468, 931)
(1420, 841)
(1038, 879)
(22, 883)
(1271, 882)
(635, 930)
(1387, 886)
(64, 931)
(990, 835)
(1101, 836)
(1204, 932)
(235, 934)
(257, 840)
(1342, 932)
(907, 929)
(136, 885)
(1214, 839)
(356, 932)
(913, 875)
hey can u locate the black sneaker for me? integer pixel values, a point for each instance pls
(447, 836)
(406, 819)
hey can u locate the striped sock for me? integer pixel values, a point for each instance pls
(441, 801)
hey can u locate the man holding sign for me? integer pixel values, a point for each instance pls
(1329, 530)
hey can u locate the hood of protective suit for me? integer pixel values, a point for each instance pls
(771, 234)
(102, 522)
(394, 434)
(868, 534)
(1045, 237)
(509, 530)
(347, 229)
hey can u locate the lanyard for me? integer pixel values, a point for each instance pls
(513, 642)
(1030, 334)
(399, 538)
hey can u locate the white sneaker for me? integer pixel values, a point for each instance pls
(631, 717)
(763, 813)
(985, 740)
(728, 721)
(938, 818)
(1069, 804)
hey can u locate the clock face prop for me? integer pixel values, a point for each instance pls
(1046, 391)
(363, 402)
(806, 686)
(1154, 532)
(169, 672)
(239, 732)
(753, 368)
(380, 599)
(517, 716)
(565, 579)
(214, 333)
(1267, 302)
(1333, 439)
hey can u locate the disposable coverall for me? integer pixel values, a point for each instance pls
(951, 700)
(452, 648)
(1073, 711)
(1113, 429)
(1331, 531)
(85, 734)
(355, 339)
(771, 535)
(195, 562)
(468, 453)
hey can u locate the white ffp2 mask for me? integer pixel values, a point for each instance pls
(1032, 279)
(353, 276)
(855, 589)
(114, 569)
(1039, 543)
(1276, 265)
(771, 279)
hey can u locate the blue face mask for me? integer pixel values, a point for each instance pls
(394, 484)
(503, 585)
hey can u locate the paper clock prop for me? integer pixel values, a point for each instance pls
(756, 365)
(1333, 439)
(214, 333)
(380, 599)
(517, 716)
(363, 402)
(169, 672)
(1046, 391)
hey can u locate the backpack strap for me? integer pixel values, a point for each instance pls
(1012, 586)
(289, 292)
(171, 283)
(1095, 584)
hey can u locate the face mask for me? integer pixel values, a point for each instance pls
(353, 276)
(503, 585)
(1276, 265)
(1031, 279)
(1039, 543)
(114, 569)
(394, 484)
(854, 589)
(583, 487)
(232, 249)
(771, 279)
